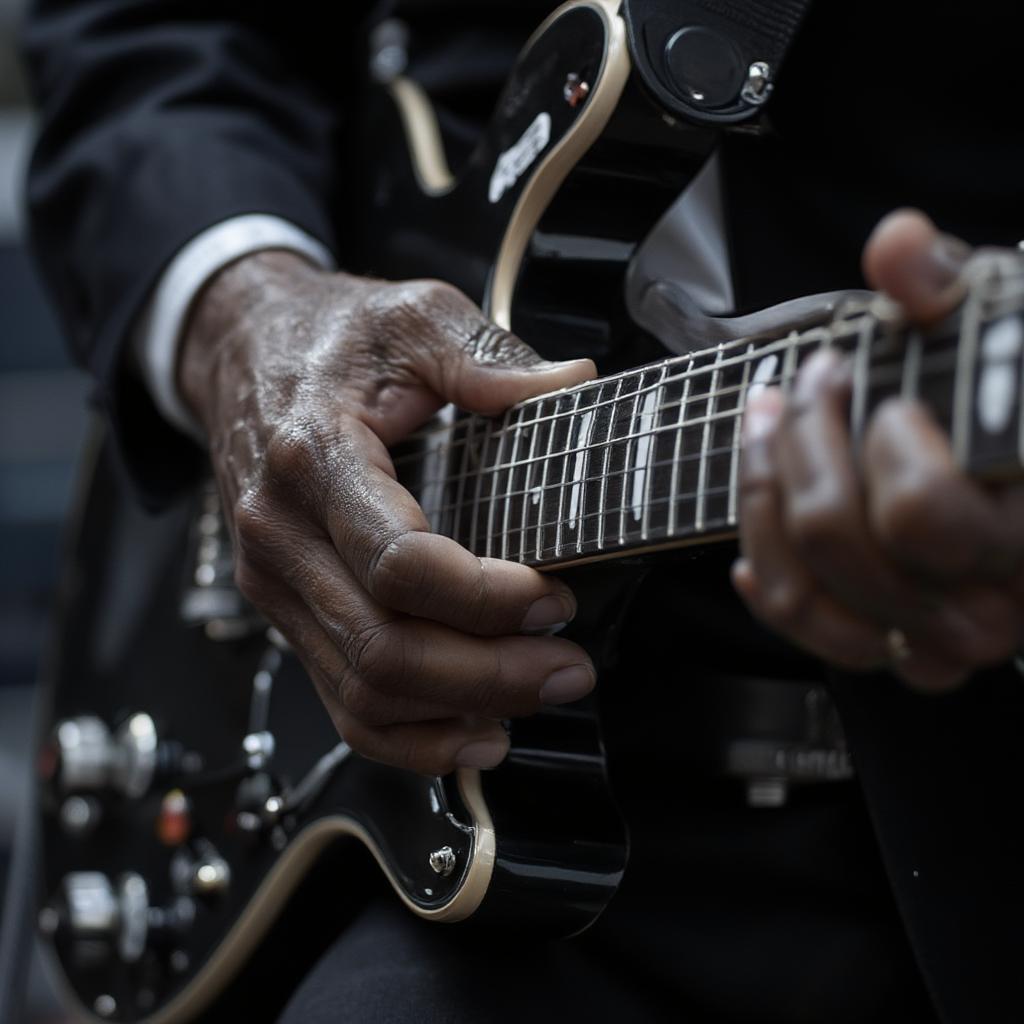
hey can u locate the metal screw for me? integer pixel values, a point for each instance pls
(758, 86)
(443, 861)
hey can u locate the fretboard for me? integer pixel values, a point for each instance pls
(650, 458)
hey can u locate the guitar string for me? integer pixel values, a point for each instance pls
(636, 372)
(772, 348)
(678, 425)
(540, 489)
(651, 468)
(931, 366)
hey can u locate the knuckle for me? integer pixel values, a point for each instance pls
(396, 576)
(368, 649)
(435, 293)
(365, 703)
(290, 457)
(254, 527)
(384, 655)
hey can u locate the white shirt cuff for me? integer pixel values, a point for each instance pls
(158, 331)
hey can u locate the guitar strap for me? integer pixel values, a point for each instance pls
(714, 62)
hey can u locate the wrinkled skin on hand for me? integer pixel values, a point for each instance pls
(302, 380)
(840, 548)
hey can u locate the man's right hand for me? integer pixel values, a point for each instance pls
(302, 380)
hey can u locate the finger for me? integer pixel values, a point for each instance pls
(913, 263)
(992, 624)
(810, 619)
(395, 655)
(825, 519)
(385, 540)
(330, 671)
(771, 577)
(439, 348)
(430, 748)
(924, 511)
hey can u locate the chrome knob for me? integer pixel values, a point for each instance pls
(136, 756)
(91, 905)
(133, 903)
(89, 758)
(95, 909)
(85, 751)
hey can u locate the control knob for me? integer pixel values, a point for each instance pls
(89, 758)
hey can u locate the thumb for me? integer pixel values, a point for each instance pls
(485, 369)
(909, 259)
(453, 353)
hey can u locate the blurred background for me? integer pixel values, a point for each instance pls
(42, 426)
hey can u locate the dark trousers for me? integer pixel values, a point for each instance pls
(727, 914)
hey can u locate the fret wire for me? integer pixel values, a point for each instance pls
(574, 422)
(462, 477)
(496, 476)
(939, 361)
(677, 452)
(773, 381)
(737, 430)
(636, 536)
(579, 490)
(724, 450)
(768, 349)
(474, 514)
(912, 365)
(508, 489)
(649, 454)
(789, 368)
(861, 384)
(526, 491)
(544, 482)
(629, 448)
(604, 466)
(963, 380)
(705, 443)
(1020, 416)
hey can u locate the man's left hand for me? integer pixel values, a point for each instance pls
(888, 555)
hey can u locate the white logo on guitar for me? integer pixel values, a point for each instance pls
(517, 159)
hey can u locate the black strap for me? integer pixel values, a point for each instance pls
(713, 62)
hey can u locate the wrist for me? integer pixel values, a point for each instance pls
(231, 297)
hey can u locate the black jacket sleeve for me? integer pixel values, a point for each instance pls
(160, 118)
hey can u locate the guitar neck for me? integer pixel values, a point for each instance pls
(649, 458)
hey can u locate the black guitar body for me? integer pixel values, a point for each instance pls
(560, 848)
(191, 778)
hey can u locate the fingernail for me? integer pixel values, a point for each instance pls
(944, 259)
(567, 685)
(548, 612)
(762, 415)
(482, 754)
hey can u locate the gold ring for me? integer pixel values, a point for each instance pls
(897, 645)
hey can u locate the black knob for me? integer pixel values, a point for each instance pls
(704, 66)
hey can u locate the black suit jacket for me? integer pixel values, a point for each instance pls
(159, 119)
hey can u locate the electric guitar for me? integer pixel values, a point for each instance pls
(191, 782)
